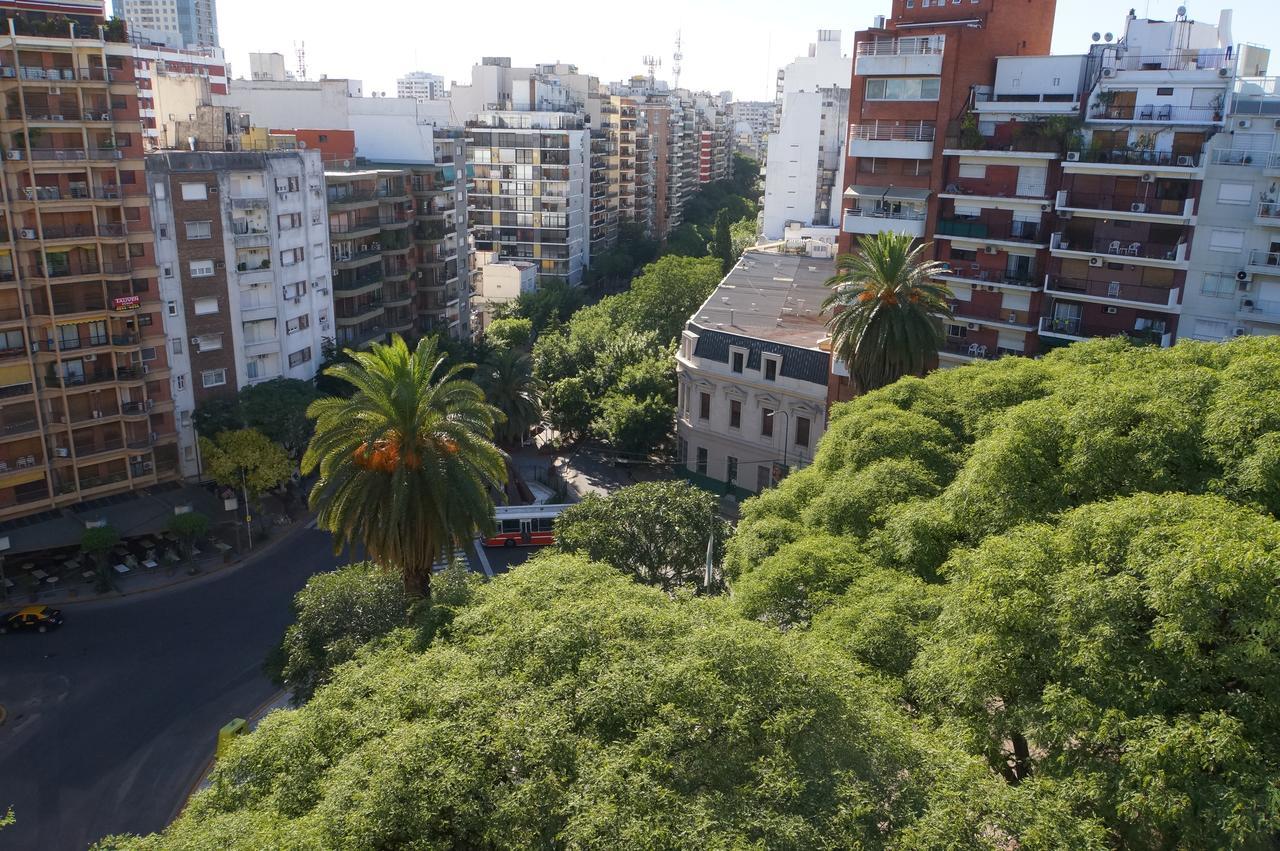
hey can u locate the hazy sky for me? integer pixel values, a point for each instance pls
(728, 44)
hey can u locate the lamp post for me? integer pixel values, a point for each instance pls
(248, 519)
(4, 583)
(786, 435)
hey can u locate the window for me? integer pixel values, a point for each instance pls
(300, 357)
(1221, 239)
(286, 184)
(149, 353)
(171, 307)
(168, 271)
(704, 406)
(1219, 286)
(199, 230)
(735, 414)
(770, 369)
(289, 221)
(802, 431)
(957, 332)
(201, 268)
(209, 342)
(205, 306)
(702, 461)
(259, 331)
(293, 326)
(194, 192)
(902, 88)
(181, 383)
(731, 469)
(766, 422)
(213, 378)
(1235, 193)
(176, 345)
(163, 231)
(291, 256)
(738, 361)
(296, 290)
(973, 170)
(1164, 91)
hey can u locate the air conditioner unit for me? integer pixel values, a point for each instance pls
(89, 358)
(54, 90)
(323, 291)
(1073, 156)
(13, 155)
(1240, 332)
(1148, 178)
(195, 341)
(297, 299)
(1247, 304)
(61, 452)
(1044, 208)
(1108, 72)
(1137, 208)
(1013, 317)
(1244, 124)
(1109, 310)
(1277, 124)
(991, 249)
(1095, 262)
(1224, 72)
(213, 189)
(972, 326)
(991, 289)
(27, 233)
(106, 116)
(1244, 276)
(1186, 161)
(219, 264)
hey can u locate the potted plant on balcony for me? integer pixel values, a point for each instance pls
(266, 263)
(1102, 105)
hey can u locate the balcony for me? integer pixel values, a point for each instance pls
(1074, 329)
(1109, 205)
(911, 140)
(1127, 161)
(1114, 292)
(965, 352)
(355, 230)
(990, 315)
(1099, 251)
(1264, 262)
(1268, 215)
(356, 259)
(1014, 234)
(1156, 114)
(1260, 310)
(990, 277)
(910, 222)
(912, 56)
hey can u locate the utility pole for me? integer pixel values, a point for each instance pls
(248, 519)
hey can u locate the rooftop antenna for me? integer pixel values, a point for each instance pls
(653, 63)
(675, 62)
(300, 51)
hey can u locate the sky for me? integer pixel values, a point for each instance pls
(735, 45)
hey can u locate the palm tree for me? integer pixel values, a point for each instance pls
(406, 463)
(509, 385)
(887, 310)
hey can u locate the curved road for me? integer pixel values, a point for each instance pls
(112, 717)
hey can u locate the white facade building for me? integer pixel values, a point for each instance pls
(242, 242)
(500, 282)
(170, 23)
(420, 85)
(753, 373)
(807, 153)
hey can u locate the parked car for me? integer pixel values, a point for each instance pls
(38, 618)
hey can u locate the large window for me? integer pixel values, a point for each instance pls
(201, 268)
(194, 192)
(735, 414)
(802, 431)
(766, 422)
(213, 377)
(704, 406)
(902, 88)
(199, 230)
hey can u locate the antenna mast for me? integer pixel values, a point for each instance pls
(653, 63)
(675, 62)
(300, 51)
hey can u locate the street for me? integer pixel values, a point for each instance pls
(112, 717)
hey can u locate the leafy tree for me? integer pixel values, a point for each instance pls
(573, 708)
(885, 310)
(96, 543)
(553, 302)
(245, 459)
(1118, 653)
(219, 414)
(510, 333)
(278, 409)
(331, 354)
(189, 527)
(722, 242)
(742, 234)
(569, 406)
(509, 386)
(656, 532)
(335, 615)
(688, 240)
(407, 464)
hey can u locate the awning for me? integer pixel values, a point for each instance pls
(887, 192)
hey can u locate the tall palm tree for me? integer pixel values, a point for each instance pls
(407, 462)
(509, 385)
(887, 311)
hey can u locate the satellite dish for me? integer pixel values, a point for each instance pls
(1097, 36)
(1108, 37)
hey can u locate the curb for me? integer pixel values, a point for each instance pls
(204, 576)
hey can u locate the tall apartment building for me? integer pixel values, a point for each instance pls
(1127, 204)
(243, 246)
(420, 85)
(1233, 284)
(171, 23)
(202, 69)
(715, 138)
(86, 408)
(807, 150)
(753, 121)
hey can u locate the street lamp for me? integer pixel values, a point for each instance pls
(4, 583)
(786, 435)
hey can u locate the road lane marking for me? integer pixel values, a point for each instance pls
(484, 559)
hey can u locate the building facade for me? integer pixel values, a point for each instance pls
(420, 85)
(753, 374)
(171, 23)
(806, 159)
(245, 272)
(86, 407)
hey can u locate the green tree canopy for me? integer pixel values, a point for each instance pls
(655, 531)
(245, 458)
(278, 409)
(511, 333)
(189, 527)
(219, 414)
(509, 386)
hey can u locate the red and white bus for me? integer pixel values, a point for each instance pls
(524, 525)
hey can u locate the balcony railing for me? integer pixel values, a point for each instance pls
(1123, 203)
(1127, 156)
(904, 214)
(1121, 248)
(1258, 257)
(1157, 113)
(911, 46)
(884, 131)
(993, 276)
(1072, 326)
(1012, 232)
(1111, 289)
(1269, 212)
(1242, 158)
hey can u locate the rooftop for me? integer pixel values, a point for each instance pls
(770, 295)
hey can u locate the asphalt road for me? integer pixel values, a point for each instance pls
(112, 717)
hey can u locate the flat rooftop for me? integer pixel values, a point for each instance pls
(773, 296)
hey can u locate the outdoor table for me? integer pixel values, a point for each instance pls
(194, 552)
(71, 565)
(29, 566)
(88, 574)
(39, 574)
(52, 580)
(150, 563)
(121, 568)
(222, 547)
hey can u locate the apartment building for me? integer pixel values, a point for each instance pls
(1233, 280)
(201, 71)
(446, 253)
(752, 372)
(420, 85)
(245, 273)
(170, 23)
(372, 253)
(1127, 204)
(85, 403)
(500, 282)
(753, 121)
(715, 138)
(807, 152)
